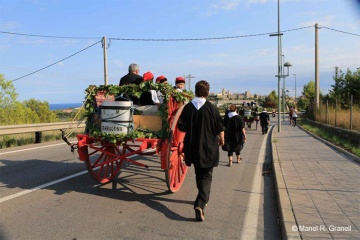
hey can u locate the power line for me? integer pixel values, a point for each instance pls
(46, 36)
(340, 31)
(56, 62)
(143, 39)
(201, 39)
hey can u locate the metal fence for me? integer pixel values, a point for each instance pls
(334, 115)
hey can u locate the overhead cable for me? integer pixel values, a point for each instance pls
(200, 39)
(340, 31)
(56, 62)
(46, 36)
(143, 39)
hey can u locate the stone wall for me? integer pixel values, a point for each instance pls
(352, 135)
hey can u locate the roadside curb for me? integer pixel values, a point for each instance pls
(286, 215)
(343, 151)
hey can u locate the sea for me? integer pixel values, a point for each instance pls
(59, 106)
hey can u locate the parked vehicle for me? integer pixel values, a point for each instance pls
(302, 113)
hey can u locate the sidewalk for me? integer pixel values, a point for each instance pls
(318, 187)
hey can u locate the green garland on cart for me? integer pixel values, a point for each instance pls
(93, 128)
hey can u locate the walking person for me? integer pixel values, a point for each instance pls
(264, 121)
(204, 132)
(294, 116)
(290, 115)
(235, 134)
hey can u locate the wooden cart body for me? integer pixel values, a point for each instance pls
(104, 159)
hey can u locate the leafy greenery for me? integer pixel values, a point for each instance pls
(346, 85)
(114, 91)
(271, 100)
(13, 112)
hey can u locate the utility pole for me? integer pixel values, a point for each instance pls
(105, 61)
(189, 77)
(295, 86)
(317, 87)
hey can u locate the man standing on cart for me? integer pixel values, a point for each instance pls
(204, 132)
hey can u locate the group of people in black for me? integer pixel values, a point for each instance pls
(205, 130)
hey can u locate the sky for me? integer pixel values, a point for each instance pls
(225, 42)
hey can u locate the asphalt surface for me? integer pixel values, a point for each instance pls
(46, 193)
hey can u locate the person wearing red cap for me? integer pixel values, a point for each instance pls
(161, 79)
(180, 84)
(149, 98)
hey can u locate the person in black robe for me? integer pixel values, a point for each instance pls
(264, 121)
(204, 132)
(235, 134)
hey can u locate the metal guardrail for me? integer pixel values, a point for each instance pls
(39, 127)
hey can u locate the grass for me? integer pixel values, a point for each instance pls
(340, 142)
(7, 141)
(340, 117)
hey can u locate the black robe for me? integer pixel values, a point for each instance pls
(201, 143)
(233, 133)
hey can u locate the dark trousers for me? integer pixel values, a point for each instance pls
(264, 127)
(294, 120)
(203, 183)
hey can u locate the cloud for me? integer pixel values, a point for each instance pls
(226, 5)
(326, 21)
(9, 25)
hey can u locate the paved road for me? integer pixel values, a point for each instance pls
(45, 193)
(318, 187)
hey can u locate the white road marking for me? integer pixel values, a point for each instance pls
(250, 227)
(40, 187)
(29, 149)
(54, 182)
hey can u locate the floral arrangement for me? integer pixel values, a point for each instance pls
(114, 91)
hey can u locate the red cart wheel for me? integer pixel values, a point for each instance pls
(106, 166)
(176, 168)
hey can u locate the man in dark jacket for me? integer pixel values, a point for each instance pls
(132, 77)
(204, 132)
(264, 121)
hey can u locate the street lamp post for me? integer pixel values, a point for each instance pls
(279, 67)
(295, 86)
(279, 64)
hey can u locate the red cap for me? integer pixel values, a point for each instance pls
(179, 80)
(161, 79)
(148, 76)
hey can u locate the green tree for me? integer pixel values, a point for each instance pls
(271, 100)
(346, 85)
(309, 90)
(8, 96)
(42, 109)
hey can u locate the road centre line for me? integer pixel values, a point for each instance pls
(249, 230)
(54, 182)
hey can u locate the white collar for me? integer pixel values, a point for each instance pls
(231, 114)
(198, 102)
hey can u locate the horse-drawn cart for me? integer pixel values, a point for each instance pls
(104, 157)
